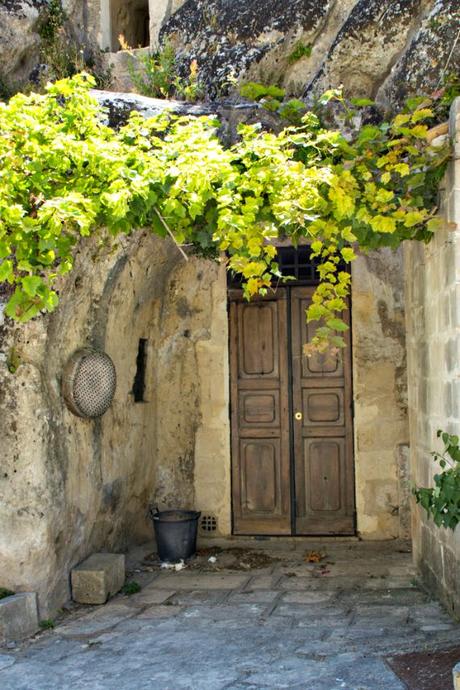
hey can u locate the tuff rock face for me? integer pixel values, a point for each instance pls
(20, 39)
(385, 50)
(380, 49)
(228, 40)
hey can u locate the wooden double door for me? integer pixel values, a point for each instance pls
(292, 443)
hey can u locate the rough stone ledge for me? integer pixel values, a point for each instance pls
(18, 617)
(119, 105)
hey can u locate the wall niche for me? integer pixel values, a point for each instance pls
(129, 22)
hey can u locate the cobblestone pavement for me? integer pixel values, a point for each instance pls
(291, 624)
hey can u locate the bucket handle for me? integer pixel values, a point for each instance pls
(152, 510)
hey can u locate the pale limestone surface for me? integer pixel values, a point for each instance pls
(19, 38)
(326, 628)
(18, 617)
(69, 486)
(433, 328)
(98, 578)
(380, 399)
(88, 483)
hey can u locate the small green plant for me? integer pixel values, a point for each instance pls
(292, 111)
(449, 91)
(155, 74)
(6, 91)
(47, 624)
(61, 54)
(254, 91)
(4, 592)
(13, 360)
(131, 587)
(442, 502)
(299, 51)
(272, 98)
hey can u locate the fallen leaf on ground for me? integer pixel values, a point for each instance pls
(314, 556)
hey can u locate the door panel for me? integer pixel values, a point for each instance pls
(271, 453)
(322, 432)
(260, 421)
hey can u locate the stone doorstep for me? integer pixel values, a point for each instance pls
(188, 581)
(98, 577)
(18, 617)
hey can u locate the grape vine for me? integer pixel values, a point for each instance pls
(64, 174)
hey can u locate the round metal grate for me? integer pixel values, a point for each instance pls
(89, 383)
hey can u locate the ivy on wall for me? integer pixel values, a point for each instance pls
(442, 502)
(64, 174)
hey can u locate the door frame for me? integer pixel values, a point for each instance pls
(235, 294)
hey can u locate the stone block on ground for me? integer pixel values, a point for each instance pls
(456, 673)
(18, 617)
(98, 578)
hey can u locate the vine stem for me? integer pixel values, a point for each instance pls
(170, 232)
(448, 59)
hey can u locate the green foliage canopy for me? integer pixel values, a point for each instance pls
(64, 174)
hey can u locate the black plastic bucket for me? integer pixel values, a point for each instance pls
(175, 532)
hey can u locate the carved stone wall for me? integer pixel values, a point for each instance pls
(69, 486)
(383, 50)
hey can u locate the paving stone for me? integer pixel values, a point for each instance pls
(258, 596)
(184, 580)
(325, 633)
(6, 660)
(297, 570)
(307, 597)
(390, 597)
(263, 582)
(382, 613)
(99, 577)
(389, 582)
(437, 627)
(185, 598)
(227, 613)
(317, 583)
(426, 614)
(291, 673)
(150, 595)
(160, 612)
(103, 618)
(18, 617)
(311, 612)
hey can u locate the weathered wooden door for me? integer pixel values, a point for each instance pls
(322, 430)
(260, 415)
(292, 461)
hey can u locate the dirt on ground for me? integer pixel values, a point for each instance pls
(426, 670)
(215, 558)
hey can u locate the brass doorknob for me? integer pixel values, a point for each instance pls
(298, 415)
